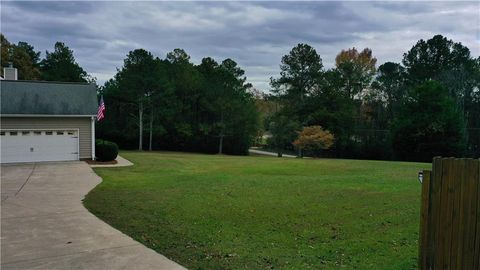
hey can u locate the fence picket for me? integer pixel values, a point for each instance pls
(476, 253)
(455, 230)
(471, 205)
(435, 206)
(462, 215)
(449, 174)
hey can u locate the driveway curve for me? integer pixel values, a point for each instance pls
(44, 224)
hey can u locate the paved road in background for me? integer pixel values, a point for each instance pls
(266, 153)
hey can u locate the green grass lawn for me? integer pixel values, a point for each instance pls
(225, 212)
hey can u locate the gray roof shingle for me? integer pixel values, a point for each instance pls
(47, 98)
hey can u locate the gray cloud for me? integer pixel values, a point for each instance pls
(255, 34)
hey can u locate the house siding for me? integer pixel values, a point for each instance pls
(83, 124)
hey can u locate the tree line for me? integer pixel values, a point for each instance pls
(176, 105)
(428, 105)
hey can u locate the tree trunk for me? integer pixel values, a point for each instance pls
(300, 153)
(220, 144)
(140, 126)
(222, 134)
(279, 151)
(151, 130)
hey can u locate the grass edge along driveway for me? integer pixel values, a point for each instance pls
(229, 212)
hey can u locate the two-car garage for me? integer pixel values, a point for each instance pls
(39, 145)
(47, 121)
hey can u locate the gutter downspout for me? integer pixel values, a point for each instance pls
(93, 136)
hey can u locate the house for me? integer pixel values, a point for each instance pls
(46, 121)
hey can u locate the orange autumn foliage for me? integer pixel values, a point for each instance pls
(364, 60)
(314, 138)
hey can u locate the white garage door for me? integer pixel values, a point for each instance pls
(38, 145)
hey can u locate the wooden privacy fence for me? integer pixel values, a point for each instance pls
(450, 215)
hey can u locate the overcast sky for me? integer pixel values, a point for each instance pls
(255, 34)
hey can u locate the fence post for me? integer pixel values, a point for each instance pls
(424, 214)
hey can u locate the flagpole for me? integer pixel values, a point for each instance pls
(103, 139)
(100, 116)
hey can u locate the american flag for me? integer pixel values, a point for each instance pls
(101, 110)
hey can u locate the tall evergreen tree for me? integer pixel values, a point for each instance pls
(429, 124)
(60, 65)
(186, 80)
(138, 82)
(451, 64)
(429, 60)
(301, 70)
(389, 87)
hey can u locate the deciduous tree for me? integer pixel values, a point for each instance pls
(314, 138)
(27, 69)
(356, 69)
(30, 50)
(5, 50)
(21, 56)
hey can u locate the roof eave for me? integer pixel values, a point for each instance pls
(47, 115)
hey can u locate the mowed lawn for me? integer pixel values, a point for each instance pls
(227, 212)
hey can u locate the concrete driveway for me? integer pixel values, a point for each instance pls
(45, 226)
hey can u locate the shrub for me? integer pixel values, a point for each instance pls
(105, 150)
(314, 138)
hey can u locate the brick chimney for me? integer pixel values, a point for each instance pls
(10, 73)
